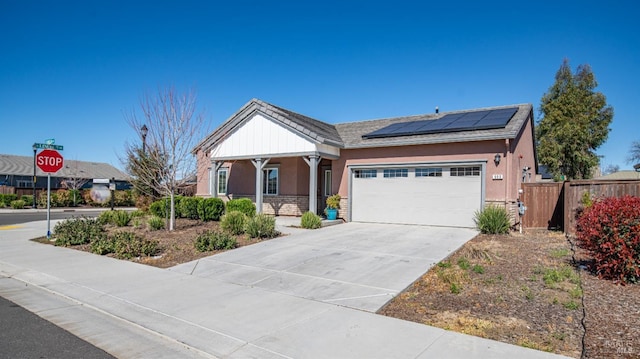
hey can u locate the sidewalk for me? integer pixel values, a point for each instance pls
(136, 311)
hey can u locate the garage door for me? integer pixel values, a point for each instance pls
(442, 196)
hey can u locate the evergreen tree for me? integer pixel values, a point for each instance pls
(575, 122)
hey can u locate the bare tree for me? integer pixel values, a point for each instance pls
(164, 162)
(75, 182)
(634, 153)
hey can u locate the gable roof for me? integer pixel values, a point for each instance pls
(315, 130)
(23, 166)
(350, 135)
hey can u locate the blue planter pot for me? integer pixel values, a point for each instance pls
(332, 214)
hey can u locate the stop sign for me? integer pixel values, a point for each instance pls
(49, 161)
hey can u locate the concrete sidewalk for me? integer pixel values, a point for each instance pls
(136, 311)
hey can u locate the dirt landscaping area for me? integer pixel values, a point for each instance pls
(528, 289)
(532, 290)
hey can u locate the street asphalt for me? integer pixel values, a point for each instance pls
(310, 294)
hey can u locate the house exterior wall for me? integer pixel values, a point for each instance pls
(203, 166)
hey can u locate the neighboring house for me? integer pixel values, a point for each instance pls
(621, 175)
(432, 169)
(17, 171)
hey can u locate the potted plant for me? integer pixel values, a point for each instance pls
(333, 204)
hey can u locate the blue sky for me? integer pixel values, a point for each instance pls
(69, 70)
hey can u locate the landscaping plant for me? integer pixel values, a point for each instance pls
(310, 220)
(610, 231)
(492, 220)
(215, 240)
(155, 223)
(210, 209)
(243, 205)
(261, 226)
(234, 222)
(77, 231)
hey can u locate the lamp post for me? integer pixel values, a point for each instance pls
(143, 131)
(34, 174)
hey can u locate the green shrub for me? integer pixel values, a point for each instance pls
(261, 226)
(102, 245)
(105, 217)
(28, 199)
(75, 197)
(128, 245)
(310, 220)
(234, 222)
(243, 205)
(210, 209)
(77, 231)
(120, 218)
(215, 240)
(137, 214)
(6, 199)
(161, 207)
(157, 208)
(493, 220)
(123, 198)
(610, 231)
(155, 223)
(189, 207)
(17, 204)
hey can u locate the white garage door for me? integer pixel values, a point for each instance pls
(442, 196)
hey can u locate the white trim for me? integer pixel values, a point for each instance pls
(265, 188)
(327, 183)
(226, 180)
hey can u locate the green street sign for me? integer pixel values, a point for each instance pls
(50, 141)
(48, 146)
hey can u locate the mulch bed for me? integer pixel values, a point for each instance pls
(519, 297)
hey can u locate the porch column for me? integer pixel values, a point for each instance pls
(313, 161)
(259, 164)
(215, 166)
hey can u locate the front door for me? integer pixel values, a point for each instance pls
(324, 188)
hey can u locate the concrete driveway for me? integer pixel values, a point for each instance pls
(356, 265)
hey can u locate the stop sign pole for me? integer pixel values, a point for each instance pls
(49, 161)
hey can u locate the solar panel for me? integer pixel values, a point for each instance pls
(465, 121)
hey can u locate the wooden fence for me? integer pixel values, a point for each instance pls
(556, 205)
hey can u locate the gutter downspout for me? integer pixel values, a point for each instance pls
(507, 159)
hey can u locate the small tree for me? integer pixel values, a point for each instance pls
(173, 128)
(575, 123)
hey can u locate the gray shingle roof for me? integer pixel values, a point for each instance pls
(352, 132)
(23, 166)
(349, 135)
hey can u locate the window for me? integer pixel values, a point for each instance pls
(366, 173)
(429, 172)
(327, 183)
(270, 181)
(465, 171)
(396, 172)
(222, 181)
(24, 184)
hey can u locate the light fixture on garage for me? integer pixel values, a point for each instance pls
(496, 159)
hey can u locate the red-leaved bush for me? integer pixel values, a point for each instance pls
(610, 231)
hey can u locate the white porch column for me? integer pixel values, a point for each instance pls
(313, 182)
(215, 166)
(259, 164)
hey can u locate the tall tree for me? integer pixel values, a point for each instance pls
(164, 161)
(575, 122)
(634, 153)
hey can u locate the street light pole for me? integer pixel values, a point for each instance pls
(34, 175)
(143, 131)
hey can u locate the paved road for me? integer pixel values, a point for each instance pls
(26, 335)
(17, 218)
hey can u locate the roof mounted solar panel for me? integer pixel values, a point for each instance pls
(463, 121)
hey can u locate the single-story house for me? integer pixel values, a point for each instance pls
(431, 169)
(17, 171)
(621, 175)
